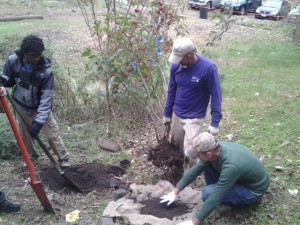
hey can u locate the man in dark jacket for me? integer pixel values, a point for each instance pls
(234, 176)
(29, 72)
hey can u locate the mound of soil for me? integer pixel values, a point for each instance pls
(167, 157)
(165, 154)
(86, 177)
(161, 210)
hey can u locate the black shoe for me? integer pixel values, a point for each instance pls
(65, 163)
(9, 207)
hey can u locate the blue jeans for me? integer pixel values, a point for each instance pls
(238, 196)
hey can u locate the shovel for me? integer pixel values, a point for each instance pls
(35, 184)
(166, 132)
(45, 149)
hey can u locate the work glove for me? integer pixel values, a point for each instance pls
(166, 120)
(170, 198)
(35, 128)
(2, 80)
(213, 130)
(2, 91)
(190, 222)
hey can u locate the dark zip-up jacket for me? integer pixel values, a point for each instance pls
(32, 90)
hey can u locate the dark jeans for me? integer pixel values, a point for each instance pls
(2, 197)
(238, 196)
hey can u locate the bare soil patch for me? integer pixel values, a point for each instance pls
(87, 177)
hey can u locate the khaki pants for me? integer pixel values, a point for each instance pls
(50, 130)
(181, 131)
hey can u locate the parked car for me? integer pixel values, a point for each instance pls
(204, 3)
(295, 12)
(273, 9)
(240, 6)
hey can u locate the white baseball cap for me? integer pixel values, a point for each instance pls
(181, 47)
(203, 142)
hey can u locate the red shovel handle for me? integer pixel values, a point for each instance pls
(19, 139)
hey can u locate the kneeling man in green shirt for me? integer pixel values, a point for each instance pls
(234, 176)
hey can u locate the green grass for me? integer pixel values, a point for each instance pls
(261, 99)
(23, 27)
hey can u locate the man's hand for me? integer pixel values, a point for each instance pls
(35, 128)
(213, 130)
(2, 91)
(166, 120)
(190, 222)
(170, 198)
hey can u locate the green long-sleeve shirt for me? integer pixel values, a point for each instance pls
(236, 163)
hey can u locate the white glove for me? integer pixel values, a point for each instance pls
(2, 91)
(190, 222)
(166, 120)
(213, 130)
(170, 198)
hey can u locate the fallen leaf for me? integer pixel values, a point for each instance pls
(285, 143)
(279, 168)
(73, 216)
(293, 191)
(261, 158)
(277, 157)
(229, 136)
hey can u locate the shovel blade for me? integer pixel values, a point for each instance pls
(40, 193)
(72, 183)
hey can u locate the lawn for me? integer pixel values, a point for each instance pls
(261, 105)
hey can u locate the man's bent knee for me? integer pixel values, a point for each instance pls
(207, 191)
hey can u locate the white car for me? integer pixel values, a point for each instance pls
(295, 11)
(273, 9)
(194, 4)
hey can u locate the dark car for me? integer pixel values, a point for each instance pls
(273, 9)
(240, 6)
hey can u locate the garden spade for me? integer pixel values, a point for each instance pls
(45, 149)
(35, 184)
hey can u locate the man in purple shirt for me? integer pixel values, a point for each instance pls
(194, 82)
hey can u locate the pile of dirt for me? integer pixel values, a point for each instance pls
(167, 157)
(165, 154)
(86, 177)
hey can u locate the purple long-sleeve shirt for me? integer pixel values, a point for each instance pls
(190, 90)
